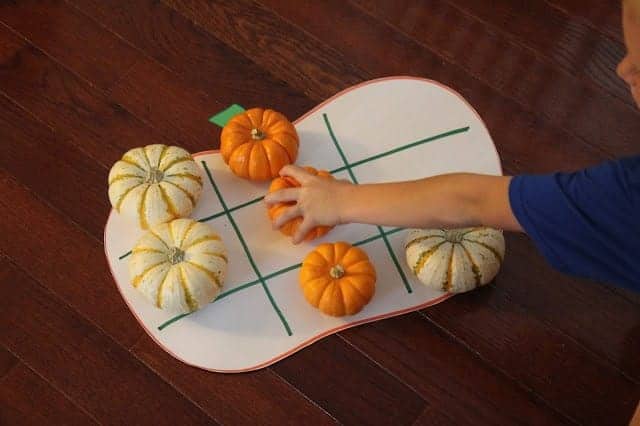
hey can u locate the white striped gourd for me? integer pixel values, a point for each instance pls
(179, 266)
(455, 260)
(155, 184)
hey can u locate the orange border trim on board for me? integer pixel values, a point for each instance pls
(336, 329)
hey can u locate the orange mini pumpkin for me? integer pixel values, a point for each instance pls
(338, 279)
(275, 210)
(257, 143)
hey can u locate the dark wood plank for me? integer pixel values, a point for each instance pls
(161, 98)
(603, 15)
(9, 45)
(50, 166)
(431, 416)
(64, 258)
(562, 372)
(67, 35)
(283, 49)
(26, 399)
(462, 47)
(605, 323)
(257, 397)
(71, 106)
(456, 381)
(203, 61)
(7, 361)
(97, 374)
(348, 385)
(561, 42)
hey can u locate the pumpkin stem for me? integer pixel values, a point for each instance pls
(336, 272)
(154, 175)
(454, 235)
(176, 255)
(257, 134)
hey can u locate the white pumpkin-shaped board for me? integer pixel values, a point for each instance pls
(420, 128)
(179, 266)
(455, 260)
(155, 184)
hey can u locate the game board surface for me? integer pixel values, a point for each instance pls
(384, 130)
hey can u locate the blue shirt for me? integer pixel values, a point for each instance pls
(585, 223)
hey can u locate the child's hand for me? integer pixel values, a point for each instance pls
(318, 200)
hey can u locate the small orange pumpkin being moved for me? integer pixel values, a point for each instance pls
(257, 143)
(275, 210)
(338, 279)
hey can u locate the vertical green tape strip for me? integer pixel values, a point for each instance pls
(221, 118)
(246, 250)
(405, 281)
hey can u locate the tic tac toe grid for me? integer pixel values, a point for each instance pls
(262, 278)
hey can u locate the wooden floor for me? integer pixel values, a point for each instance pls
(81, 81)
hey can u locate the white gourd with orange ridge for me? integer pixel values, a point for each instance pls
(155, 184)
(179, 266)
(455, 260)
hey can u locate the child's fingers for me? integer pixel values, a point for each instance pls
(290, 213)
(282, 196)
(298, 173)
(302, 231)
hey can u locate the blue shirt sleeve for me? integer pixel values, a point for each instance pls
(585, 223)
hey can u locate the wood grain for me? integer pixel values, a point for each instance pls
(49, 165)
(26, 399)
(540, 357)
(82, 81)
(565, 42)
(7, 361)
(64, 259)
(179, 111)
(604, 16)
(202, 60)
(349, 385)
(261, 396)
(280, 47)
(70, 105)
(433, 417)
(454, 380)
(53, 26)
(82, 361)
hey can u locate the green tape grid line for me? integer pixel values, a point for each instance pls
(357, 163)
(238, 207)
(401, 148)
(125, 255)
(343, 168)
(270, 276)
(246, 250)
(348, 166)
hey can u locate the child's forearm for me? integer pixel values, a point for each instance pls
(454, 200)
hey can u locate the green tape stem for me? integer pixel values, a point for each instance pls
(223, 117)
